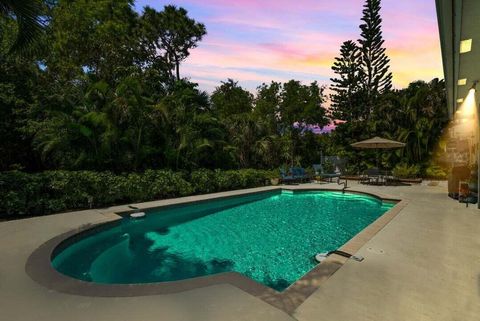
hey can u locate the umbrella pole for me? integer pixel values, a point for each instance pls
(378, 154)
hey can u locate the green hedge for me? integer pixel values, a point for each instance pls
(208, 181)
(56, 191)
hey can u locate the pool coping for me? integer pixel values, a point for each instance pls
(40, 269)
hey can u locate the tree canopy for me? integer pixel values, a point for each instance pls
(363, 99)
(106, 93)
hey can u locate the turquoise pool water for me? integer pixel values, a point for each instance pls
(269, 237)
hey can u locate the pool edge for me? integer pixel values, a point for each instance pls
(40, 269)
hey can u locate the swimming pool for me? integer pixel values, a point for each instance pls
(270, 237)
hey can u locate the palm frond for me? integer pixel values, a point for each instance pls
(28, 15)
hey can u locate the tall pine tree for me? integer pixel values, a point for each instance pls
(347, 87)
(374, 63)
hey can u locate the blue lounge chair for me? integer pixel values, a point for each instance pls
(300, 174)
(286, 178)
(295, 174)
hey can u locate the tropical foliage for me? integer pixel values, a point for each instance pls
(104, 92)
(107, 94)
(28, 15)
(364, 104)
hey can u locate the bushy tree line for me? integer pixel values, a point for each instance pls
(103, 91)
(364, 105)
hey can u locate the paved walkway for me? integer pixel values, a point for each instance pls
(424, 265)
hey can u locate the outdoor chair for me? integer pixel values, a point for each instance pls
(371, 176)
(391, 179)
(300, 174)
(294, 175)
(319, 171)
(286, 177)
(374, 176)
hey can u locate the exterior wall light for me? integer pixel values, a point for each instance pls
(465, 46)
(460, 100)
(462, 82)
(474, 86)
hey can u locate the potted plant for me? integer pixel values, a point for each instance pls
(274, 181)
(274, 178)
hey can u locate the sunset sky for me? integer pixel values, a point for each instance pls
(256, 41)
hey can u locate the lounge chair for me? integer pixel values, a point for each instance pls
(286, 177)
(300, 174)
(295, 174)
(319, 171)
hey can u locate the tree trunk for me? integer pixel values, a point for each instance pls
(137, 148)
(177, 63)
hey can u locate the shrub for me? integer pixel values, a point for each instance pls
(228, 180)
(208, 181)
(18, 193)
(406, 171)
(435, 172)
(252, 178)
(203, 181)
(56, 191)
(155, 184)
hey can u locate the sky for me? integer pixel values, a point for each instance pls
(257, 41)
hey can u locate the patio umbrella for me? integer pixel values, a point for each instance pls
(378, 143)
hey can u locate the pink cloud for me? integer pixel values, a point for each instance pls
(248, 22)
(261, 57)
(345, 6)
(258, 41)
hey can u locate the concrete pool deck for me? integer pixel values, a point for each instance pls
(423, 265)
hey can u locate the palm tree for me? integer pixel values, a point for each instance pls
(245, 132)
(200, 141)
(418, 127)
(27, 14)
(133, 112)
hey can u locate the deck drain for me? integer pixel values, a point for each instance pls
(376, 251)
